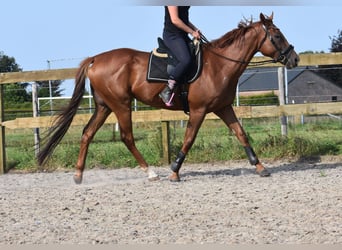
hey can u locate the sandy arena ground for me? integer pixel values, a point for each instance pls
(223, 202)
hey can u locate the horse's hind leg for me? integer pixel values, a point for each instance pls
(227, 114)
(126, 132)
(96, 121)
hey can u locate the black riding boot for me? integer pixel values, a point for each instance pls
(168, 93)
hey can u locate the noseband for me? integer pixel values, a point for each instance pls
(283, 57)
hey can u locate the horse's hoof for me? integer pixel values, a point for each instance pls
(78, 179)
(174, 177)
(152, 176)
(174, 180)
(155, 178)
(264, 173)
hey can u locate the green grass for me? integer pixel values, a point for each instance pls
(213, 143)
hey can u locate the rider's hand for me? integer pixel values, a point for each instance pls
(196, 34)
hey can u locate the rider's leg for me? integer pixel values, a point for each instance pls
(178, 45)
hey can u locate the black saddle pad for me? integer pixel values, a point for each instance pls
(159, 62)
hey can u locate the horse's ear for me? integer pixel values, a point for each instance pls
(265, 19)
(262, 18)
(271, 16)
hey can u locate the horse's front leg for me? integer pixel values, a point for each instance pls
(227, 114)
(194, 123)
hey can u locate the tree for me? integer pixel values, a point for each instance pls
(311, 52)
(336, 42)
(8, 64)
(334, 72)
(44, 88)
(13, 93)
(16, 94)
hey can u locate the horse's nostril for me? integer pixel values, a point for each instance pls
(296, 61)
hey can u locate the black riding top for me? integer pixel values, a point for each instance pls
(183, 13)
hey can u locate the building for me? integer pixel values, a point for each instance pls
(305, 84)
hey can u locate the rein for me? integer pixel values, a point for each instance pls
(282, 57)
(243, 61)
(204, 40)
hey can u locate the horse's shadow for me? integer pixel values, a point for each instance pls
(296, 166)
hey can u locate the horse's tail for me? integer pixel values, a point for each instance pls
(63, 121)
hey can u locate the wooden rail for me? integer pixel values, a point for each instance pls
(166, 115)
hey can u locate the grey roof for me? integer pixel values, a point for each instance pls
(261, 79)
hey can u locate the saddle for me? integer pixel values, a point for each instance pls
(161, 62)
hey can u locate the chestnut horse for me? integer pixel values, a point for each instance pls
(119, 75)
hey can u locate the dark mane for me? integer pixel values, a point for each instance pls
(233, 35)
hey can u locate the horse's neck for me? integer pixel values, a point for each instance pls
(243, 51)
(230, 62)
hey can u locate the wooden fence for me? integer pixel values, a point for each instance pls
(166, 115)
(163, 116)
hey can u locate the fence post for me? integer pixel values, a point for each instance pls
(281, 83)
(36, 114)
(166, 141)
(2, 133)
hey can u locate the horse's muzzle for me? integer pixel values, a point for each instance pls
(292, 60)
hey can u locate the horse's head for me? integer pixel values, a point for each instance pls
(275, 45)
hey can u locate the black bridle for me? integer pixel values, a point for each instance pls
(282, 58)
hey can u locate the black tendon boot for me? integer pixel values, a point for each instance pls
(176, 165)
